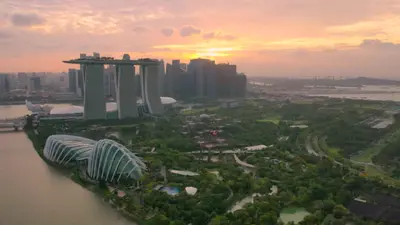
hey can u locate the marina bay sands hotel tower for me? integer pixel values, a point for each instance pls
(92, 68)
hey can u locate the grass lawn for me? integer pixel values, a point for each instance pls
(372, 171)
(369, 106)
(270, 119)
(200, 110)
(303, 101)
(334, 152)
(300, 122)
(368, 154)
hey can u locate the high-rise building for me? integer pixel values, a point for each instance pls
(125, 90)
(13, 81)
(177, 81)
(22, 81)
(173, 71)
(150, 96)
(4, 84)
(161, 77)
(109, 81)
(34, 84)
(94, 97)
(79, 83)
(72, 80)
(204, 75)
(226, 78)
(183, 66)
(204, 79)
(81, 76)
(240, 85)
(94, 73)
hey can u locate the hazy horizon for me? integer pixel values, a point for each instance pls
(274, 38)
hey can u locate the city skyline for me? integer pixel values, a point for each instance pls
(264, 38)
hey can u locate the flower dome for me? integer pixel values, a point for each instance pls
(63, 149)
(106, 159)
(110, 161)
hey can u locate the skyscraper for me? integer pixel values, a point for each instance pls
(126, 90)
(34, 84)
(204, 75)
(22, 81)
(161, 77)
(109, 81)
(240, 85)
(172, 78)
(204, 79)
(226, 79)
(150, 96)
(72, 80)
(4, 84)
(184, 66)
(93, 74)
(81, 76)
(79, 83)
(94, 97)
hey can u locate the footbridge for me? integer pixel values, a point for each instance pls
(16, 123)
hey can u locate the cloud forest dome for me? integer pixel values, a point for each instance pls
(63, 149)
(111, 161)
(106, 159)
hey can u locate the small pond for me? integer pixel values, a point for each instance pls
(170, 190)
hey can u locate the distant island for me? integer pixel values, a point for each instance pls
(326, 81)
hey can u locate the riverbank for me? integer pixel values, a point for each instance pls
(22, 102)
(74, 175)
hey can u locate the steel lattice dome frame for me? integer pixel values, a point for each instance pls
(107, 160)
(63, 149)
(111, 161)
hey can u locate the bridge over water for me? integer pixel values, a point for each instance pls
(15, 123)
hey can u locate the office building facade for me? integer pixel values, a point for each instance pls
(150, 95)
(94, 97)
(72, 80)
(204, 79)
(4, 85)
(126, 90)
(161, 77)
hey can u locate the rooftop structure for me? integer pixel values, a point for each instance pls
(112, 61)
(110, 107)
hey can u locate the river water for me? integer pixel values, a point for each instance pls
(33, 193)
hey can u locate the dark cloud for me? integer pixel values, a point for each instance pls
(5, 34)
(26, 20)
(378, 44)
(140, 29)
(189, 31)
(167, 31)
(217, 35)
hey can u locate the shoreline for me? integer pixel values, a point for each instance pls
(76, 178)
(22, 102)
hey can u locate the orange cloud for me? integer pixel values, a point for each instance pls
(310, 38)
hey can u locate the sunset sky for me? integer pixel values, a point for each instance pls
(263, 37)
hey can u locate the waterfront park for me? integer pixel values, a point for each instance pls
(321, 161)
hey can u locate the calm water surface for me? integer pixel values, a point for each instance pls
(32, 193)
(364, 96)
